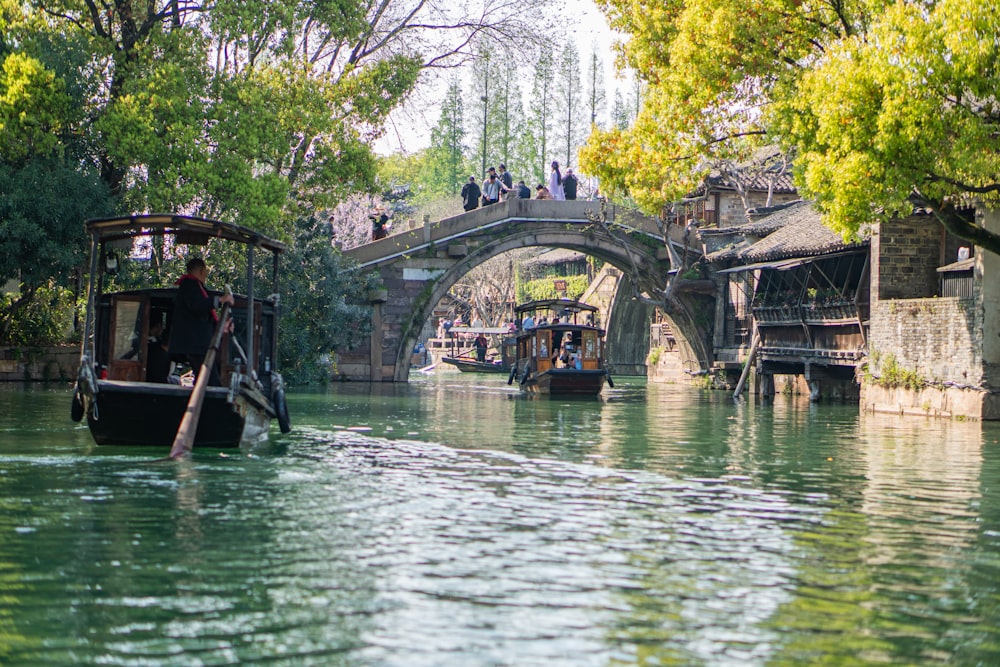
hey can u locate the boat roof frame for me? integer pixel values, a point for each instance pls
(187, 230)
(555, 304)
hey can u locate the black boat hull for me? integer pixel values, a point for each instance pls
(148, 414)
(566, 382)
(469, 366)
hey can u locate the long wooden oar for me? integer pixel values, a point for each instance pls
(184, 440)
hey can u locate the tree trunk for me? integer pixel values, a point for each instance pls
(959, 225)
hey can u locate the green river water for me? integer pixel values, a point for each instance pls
(453, 522)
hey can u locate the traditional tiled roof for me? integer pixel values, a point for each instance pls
(786, 231)
(777, 177)
(760, 183)
(800, 232)
(727, 253)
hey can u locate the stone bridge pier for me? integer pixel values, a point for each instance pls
(418, 267)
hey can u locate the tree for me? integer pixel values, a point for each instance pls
(620, 116)
(259, 112)
(488, 289)
(538, 132)
(480, 119)
(322, 307)
(42, 240)
(595, 86)
(570, 103)
(507, 115)
(903, 115)
(886, 103)
(445, 167)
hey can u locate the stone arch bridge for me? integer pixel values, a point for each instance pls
(418, 267)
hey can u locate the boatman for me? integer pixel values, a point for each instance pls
(481, 345)
(194, 319)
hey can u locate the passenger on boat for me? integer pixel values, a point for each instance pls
(528, 322)
(194, 319)
(157, 359)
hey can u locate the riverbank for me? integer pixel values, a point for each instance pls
(39, 364)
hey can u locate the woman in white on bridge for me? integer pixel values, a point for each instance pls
(555, 182)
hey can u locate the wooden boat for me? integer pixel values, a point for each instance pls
(563, 356)
(467, 362)
(114, 391)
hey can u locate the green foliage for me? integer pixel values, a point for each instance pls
(175, 125)
(544, 288)
(46, 319)
(885, 370)
(883, 103)
(904, 109)
(322, 307)
(538, 141)
(41, 230)
(445, 168)
(34, 108)
(571, 123)
(654, 356)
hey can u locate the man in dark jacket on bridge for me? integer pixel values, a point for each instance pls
(471, 194)
(569, 184)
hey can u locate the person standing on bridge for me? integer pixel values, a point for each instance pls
(471, 194)
(569, 185)
(556, 182)
(506, 180)
(491, 189)
(380, 219)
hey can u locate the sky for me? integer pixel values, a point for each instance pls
(409, 128)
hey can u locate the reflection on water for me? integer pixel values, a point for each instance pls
(453, 521)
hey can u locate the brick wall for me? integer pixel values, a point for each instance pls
(908, 253)
(940, 338)
(731, 211)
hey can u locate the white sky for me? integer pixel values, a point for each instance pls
(409, 128)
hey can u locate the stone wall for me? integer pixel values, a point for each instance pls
(940, 338)
(731, 211)
(34, 364)
(908, 252)
(952, 345)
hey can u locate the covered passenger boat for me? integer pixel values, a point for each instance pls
(120, 389)
(557, 353)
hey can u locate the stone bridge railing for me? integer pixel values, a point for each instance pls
(451, 230)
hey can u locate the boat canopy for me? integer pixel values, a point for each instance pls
(489, 331)
(558, 305)
(185, 229)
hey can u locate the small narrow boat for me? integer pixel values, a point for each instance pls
(124, 401)
(562, 356)
(468, 362)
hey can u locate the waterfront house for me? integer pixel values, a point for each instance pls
(794, 299)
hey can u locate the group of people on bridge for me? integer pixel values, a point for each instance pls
(498, 184)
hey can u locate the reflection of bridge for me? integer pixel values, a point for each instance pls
(419, 266)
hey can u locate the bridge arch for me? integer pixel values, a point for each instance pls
(539, 234)
(420, 266)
